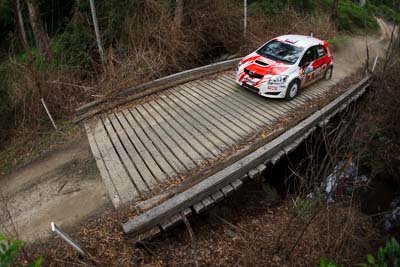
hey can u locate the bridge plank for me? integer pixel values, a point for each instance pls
(121, 179)
(158, 157)
(196, 122)
(158, 141)
(319, 89)
(134, 175)
(310, 92)
(207, 202)
(254, 173)
(142, 170)
(293, 104)
(196, 114)
(304, 97)
(237, 184)
(225, 104)
(227, 190)
(249, 100)
(171, 222)
(253, 120)
(217, 196)
(199, 207)
(132, 143)
(107, 179)
(203, 136)
(189, 137)
(280, 105)
(252, 108)
(270, 104)
(261, 168)
(219, 122)
(184, 151)
(228, 115)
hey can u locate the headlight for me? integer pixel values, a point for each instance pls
(278, 79)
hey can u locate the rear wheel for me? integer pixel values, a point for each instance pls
(328, 73)
(292, 90)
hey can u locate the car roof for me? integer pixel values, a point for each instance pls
(299, 40)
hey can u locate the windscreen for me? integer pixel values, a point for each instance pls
(280, 51)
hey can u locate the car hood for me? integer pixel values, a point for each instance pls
(258, 64)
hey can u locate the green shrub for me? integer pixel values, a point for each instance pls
(8, 250)
(39, 62)
(351, 17)
(75, 47)
(326, 263)
(385, 12)
(6, 103)
(388, 255)
(276, 6)
(306, 206)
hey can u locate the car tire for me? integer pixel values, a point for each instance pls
(328, 73)
(292, 89)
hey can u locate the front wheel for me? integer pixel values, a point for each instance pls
(328, 73)
(292, 90)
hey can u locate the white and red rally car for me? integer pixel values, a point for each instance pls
(283, 65)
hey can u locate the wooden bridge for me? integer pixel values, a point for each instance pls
(191, 142)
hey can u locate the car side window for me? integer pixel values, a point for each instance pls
(321, 51)
(309, 56)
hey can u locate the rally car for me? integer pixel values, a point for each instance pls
(282, 66)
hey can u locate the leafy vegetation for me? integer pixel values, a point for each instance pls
(8, 251)
(278, 6)
(6, 106)
(351, 17)
(75, 47)
(385, 12)
(326, 263)
(388, 255)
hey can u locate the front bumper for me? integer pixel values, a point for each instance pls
(266, 90)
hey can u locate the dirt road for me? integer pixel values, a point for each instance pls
(66, 187)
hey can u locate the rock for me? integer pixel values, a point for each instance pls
(232, 234)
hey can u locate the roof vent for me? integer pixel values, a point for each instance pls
(261, 63)
(291, 41)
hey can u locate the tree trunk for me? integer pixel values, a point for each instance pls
(245, 17)
(16, 4)
(178, 13)
(97, 31)
(42, 42)
(334, 9)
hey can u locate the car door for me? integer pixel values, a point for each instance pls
(322, 61)
(308, 66)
